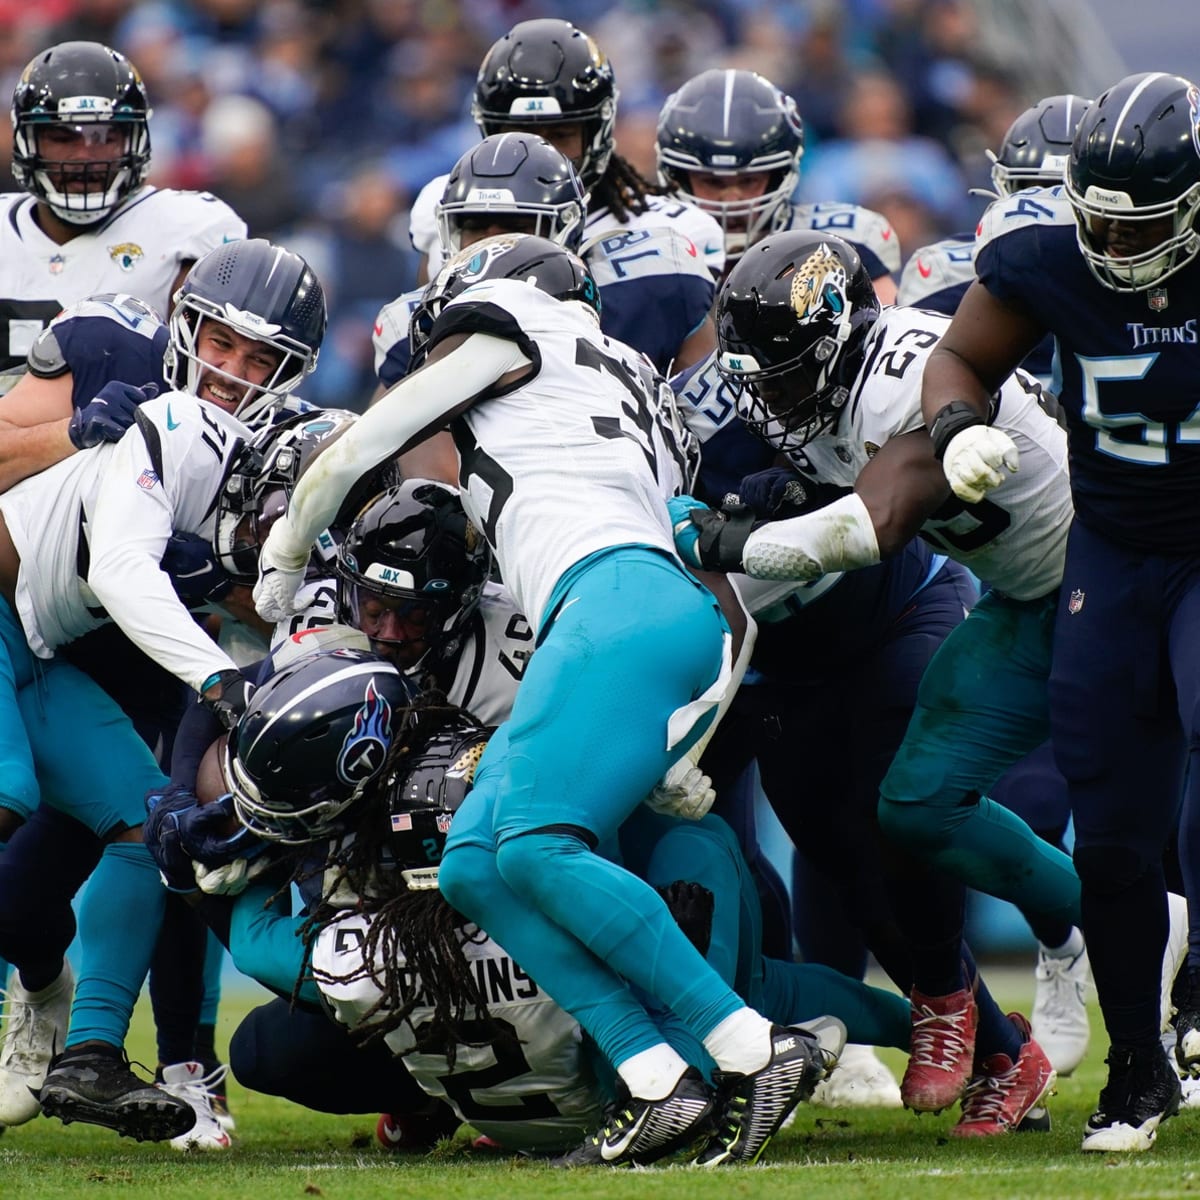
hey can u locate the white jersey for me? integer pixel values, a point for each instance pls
(687, 219)
(138, 250)
(536, 1093)
(575, 460)
(91, 531)
(937, 275)
(1015, 539)
(869, 232)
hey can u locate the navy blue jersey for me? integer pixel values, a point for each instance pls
(1130, 367)
(101, 339)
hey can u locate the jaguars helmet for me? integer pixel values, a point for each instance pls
(1135, 159)
(313, 737)
(261, 291)
(412, 550)
(513, 175)
(792, 320)
(547, 72)
(1036, 147)
(426, 790)
(73, 92)
(733, 123)
(260, 482)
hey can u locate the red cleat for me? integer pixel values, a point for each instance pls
(942, 1051)
(1005, 1095)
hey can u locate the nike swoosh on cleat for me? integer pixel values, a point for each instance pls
(611, 1150)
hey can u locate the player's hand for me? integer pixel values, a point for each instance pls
(974, 459)
(227, 693)
(161, 834)
(279, 578)
(692, 905)
(106, 418)
(685, 791)
(191, 562)
(709, 539)
(233, 878)
(775, 492)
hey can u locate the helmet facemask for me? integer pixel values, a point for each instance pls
(561, 224)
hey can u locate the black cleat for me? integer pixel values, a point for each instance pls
(1142, 1091)
(1186, 999)
(757, 1105)
(94, 1084)
(639, 1132)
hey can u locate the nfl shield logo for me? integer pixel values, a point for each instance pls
(1156, 298)
(147, 479)
(1075, 603)
(57, 262)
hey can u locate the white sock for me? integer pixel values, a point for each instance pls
(652, 1074)
(1071, 948)
(741, 1042)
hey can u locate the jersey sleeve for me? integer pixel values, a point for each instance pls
(200, 223)
(99, 340)
(1010, 256)
(390, 338)
(869, 232)
(937, 276)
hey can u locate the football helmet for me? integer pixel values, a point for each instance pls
(543, 264)
(792, 320)
(1035, 149)
(263, 292)
(733, 123)
(1135, 159)
(260, 482)
(511, 174)
(424, 794)
(311, 740)
(78, 94)
(548, 72)
(411, 572)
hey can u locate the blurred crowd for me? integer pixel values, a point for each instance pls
(319, 120)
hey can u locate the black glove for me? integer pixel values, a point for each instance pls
(107, 417)
(160, 832)
(232, 699)
(723, 534)
(692, 905)
(775, 492)
(195, 574)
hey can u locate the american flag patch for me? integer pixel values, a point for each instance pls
(401, 822)
(147, 479)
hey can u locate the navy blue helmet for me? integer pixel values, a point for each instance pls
(411, 572)
(1036, 147)
(261, 291)
(548, 72)
(513, 175)
(792, 322)
(1135, 159)
(733, 123)
(311, 740)
(80, 91)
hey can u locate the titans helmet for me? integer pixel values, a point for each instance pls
(310, 741)
(1036, 147)
(792, 320)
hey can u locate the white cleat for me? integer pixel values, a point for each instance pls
(859, 1080)
(35, 1029)
(1059, 1018)
(188, 1082)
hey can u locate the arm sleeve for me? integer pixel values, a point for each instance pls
(838, 537)
(129, 529)
(420, 404)
(266, 945)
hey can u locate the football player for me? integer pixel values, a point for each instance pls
(1109, 266)
(85, 221)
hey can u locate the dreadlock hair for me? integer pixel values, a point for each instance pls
(413, 951)
(622, 189)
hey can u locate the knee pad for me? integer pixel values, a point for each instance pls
(1109, 870)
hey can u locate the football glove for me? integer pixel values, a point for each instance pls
(195, 573)
(709, 539)
(685, 791)
(974, 459)
(279, 578)
(233, 698)
(775, 492)
(233, 878)
(106, 418)
(692, 905)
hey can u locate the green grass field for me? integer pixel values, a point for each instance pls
(283, 1151)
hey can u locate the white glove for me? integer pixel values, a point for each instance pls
(973, 460)
(279, 577)
(233, 878)
(685, 791)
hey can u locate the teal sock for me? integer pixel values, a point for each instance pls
(119, 919)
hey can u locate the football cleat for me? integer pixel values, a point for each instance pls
(1004, 1095)
(1142, 1091)
(757, 1104)
(189, 1083)
(92, 1083)
(1174, 953)
(1187, 1023)
(639, 1132)
(859, 1080)
(35, 1027)
(1059, 1017)
(415, 1131)
(942, 1051)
